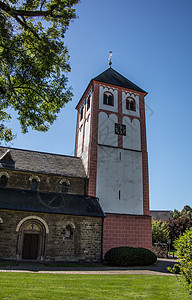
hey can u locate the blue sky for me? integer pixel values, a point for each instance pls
(152, 46)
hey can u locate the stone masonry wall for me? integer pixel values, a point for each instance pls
(48, 183)
(84, 245)
(160, 249)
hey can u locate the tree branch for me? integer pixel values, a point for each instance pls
(25, 26)
(23, 13)
(30, 88)
(26, 13)
(42, 4)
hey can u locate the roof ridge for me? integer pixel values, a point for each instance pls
(36, 151)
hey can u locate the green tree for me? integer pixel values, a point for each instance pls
(176, 214)
(159, 232)
(183, 246)
(187, 211)
(177, 227)
(179, 222)
(33, 62)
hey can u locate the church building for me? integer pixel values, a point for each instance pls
(75, 208)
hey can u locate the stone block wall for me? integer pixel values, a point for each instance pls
(84, 244)
(48, 183)
(160, 249)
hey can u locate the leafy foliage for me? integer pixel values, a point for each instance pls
(177, 227)
(159, 232)
(130, 256)
(186, 211)
(33, 62)
(176, 214)
(183, 246)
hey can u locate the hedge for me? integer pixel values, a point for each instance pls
(129, 256)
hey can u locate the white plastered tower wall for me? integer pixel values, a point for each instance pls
(119, 170)
(83, 130)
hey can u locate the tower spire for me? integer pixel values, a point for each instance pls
(109, 59)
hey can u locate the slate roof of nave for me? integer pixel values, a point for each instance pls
(57, 203)
(113, 77)
(41, 162)
(162, 215)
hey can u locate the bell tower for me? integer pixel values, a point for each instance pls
(111, 140)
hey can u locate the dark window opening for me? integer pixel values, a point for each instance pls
(68, 232)
(108, 99)
(34, 184)
(130, 104)
(105, 99)
(3, 180)
(64, 188)
(88, 103)
(81, 113)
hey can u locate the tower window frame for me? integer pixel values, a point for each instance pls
(81, 113)
(88, 102)
(108, 99)
(130, 104)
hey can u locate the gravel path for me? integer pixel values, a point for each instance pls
(159, 268)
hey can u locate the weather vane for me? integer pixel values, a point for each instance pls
(109, 59)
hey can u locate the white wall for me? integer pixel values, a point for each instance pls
(86, 142)
(132, 140)
(80, 140)
(87, 121)
(106, 129)
(119, 169)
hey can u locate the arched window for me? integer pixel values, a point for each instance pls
(34, 184)
(130, 104)
(88, 102)
(3, 180)
(64, 188)
(108, 99)
(68, 232)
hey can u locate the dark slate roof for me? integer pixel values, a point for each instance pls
(40, 162)
(162, 215)
(113, 77)
(57, 203)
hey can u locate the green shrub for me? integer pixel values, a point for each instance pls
(129, 256)
(159, 232)
(175, 269)
(183, 246)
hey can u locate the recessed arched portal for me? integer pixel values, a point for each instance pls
(31, 238)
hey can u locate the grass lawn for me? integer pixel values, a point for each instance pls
(74, 286)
